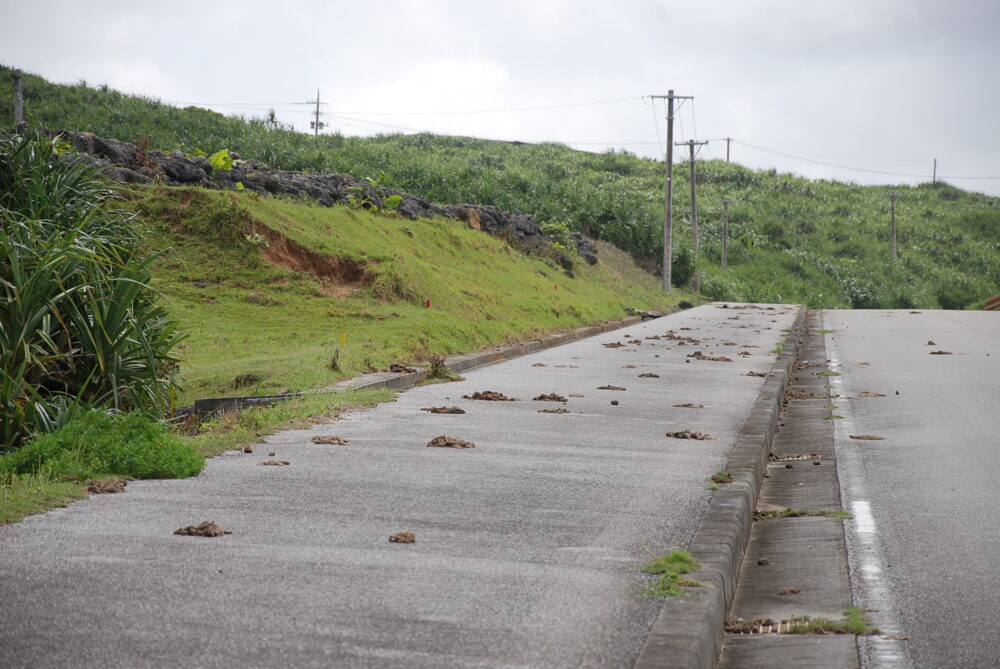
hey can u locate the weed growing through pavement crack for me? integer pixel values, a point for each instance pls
(801, 513)
(669, 568)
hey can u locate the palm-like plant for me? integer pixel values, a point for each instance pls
(79, 324)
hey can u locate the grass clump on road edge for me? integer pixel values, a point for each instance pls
(803, 513)
(670, 567)
(854, 622)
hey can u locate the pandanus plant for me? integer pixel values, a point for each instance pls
(80, 326)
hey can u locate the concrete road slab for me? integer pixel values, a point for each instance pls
(528, 546)
(926, 495)
(778, 650)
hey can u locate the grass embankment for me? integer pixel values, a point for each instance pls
(257, 325)
(254, 326)
(820, 243)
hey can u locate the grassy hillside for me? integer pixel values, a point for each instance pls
(825, 244)
(271, 290)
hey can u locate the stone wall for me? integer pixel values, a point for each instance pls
(126, 163)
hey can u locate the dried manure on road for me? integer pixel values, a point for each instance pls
(649, 375)
(107, 486)
(549, 397)
(870, 394)
(690, 405)
(399, 368)
(404, 537)
(698, 355)
(489, 396)
(329, 439)
(940, 353)
(689, 434)
(609, 387)
(444, 441)
(866, 437)
(275, 463)
(556, 410)
(451, 410)
(204, 529)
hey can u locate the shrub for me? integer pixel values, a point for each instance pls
(99, 444)
(79, 324)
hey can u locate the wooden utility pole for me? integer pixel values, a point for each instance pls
(668, 186)
(934, 175)
(317, 125)
(725, 230)
(728, 140)
(19, 124)
(696, 284)
(892, 224)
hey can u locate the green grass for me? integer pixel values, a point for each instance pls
(854, 622)
(28, 494)
(97, 444)
(803, 513)
(722, 477)
(669, 569)
(236, 430)
(482, 292)
(820, 243)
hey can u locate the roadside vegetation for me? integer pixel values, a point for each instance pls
(820, 243)
(337, 292)
(669, 569)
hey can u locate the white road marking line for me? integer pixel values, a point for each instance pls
(869, 582)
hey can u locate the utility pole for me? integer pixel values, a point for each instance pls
(934, 175)
(668, 185)
(694, 211)
(728, 140)
(725, 230)
(19, 124)
(317, 125)
(892, 224)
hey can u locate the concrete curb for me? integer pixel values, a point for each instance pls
(399, 381)
(688, 631)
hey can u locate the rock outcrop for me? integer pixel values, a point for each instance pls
(127, 163)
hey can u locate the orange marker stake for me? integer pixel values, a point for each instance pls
(427, 304)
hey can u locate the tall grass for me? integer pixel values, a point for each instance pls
(822, 243)
(79, 325)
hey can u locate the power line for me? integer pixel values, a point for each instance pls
(418, 113)
(848, 167)
(489, 111)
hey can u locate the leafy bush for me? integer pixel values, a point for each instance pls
(99, 444)
(78, 323)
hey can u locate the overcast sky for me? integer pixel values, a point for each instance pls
(881, 85)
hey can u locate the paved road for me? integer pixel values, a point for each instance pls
(528, 546)
(933, 484)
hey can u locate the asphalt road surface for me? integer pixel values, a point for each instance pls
(528, 547)
(933, 484)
